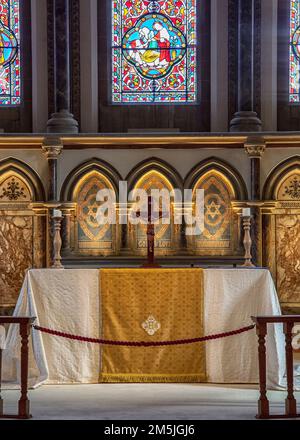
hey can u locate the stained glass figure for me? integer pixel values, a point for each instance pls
(10, 93)
(294, 77)
(154, 51)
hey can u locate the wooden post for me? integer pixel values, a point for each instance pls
(263, 402)
(290, 402)
(24, 405)
(24, 330)
(261, 328)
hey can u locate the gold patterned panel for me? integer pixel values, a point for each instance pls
(288, 257)
(289, 188)
(92, 237)
(172, 308)
(218, 215)
(286, 232)
(16, 255)
(16, 235)
(163, 233)
(14, 189)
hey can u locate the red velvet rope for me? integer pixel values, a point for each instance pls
(143, 343)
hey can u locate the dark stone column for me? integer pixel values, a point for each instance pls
(52, 150)
(245, 119)
(255, 152)
(62, 121)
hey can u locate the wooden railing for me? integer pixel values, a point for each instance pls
(24, 404)
(288, 322)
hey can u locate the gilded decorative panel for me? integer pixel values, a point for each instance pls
(218, 216)
(288, 257)
(14, 189)
(16, 254)
(164, 239)
(289, 189)
(92, 237)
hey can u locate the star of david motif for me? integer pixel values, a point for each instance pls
(92, 210)
(151, 325)
(87, 210)
(213, 209)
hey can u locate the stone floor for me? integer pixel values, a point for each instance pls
(146, 401)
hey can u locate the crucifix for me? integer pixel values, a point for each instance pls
(150, 235)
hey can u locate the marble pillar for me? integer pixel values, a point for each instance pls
(66, 229)
(255, 151)
(62, 121)
(39, 235)
(245, 119)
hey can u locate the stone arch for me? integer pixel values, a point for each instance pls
(282, 174)
(224, 169)
(155, 174)
(81, 187)
(19, 182)
(93, 165)
(222, 185)
(154, 165)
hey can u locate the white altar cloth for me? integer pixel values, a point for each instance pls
(69, 301)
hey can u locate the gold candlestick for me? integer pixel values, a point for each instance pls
(57, 243)
(247, 241)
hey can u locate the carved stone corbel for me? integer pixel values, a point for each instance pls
(255, 150)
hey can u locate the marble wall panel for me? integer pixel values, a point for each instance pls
(16, 250)
(288, 257)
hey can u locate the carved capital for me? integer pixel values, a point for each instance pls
(52, 148)
(255, 150)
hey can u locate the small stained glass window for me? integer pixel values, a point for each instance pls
(10, 92)
(294, 77)
(154, 51)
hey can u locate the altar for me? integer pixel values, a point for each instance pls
(80, 302)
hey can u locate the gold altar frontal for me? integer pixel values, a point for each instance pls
(152, 305)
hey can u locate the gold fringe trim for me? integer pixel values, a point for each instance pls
(152, 378)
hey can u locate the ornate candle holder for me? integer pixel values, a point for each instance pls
(247, 241)
(57, 241)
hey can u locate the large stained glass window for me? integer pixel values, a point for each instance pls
(295, 51)
(154, 51)
(9, 53)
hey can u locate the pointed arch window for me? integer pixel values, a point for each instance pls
(154, 51)
(10, 74)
